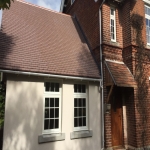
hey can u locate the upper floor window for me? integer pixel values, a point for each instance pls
(113, 24)
(80, 107)
(52, 107)
(72, 1)
(147, 17)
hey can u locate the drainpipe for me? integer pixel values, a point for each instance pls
(101, 82)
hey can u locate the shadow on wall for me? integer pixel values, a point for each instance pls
(23, 116)
(6, 45)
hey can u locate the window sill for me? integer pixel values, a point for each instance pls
(81, 134)
(50, 138)
(114, 43)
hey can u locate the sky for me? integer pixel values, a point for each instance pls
(51, 4)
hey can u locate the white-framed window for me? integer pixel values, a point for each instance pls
(80, 107)
(147, 17)
(113, 24)
(52, 108)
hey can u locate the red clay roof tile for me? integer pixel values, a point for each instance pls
(120, 74)
(40, 40)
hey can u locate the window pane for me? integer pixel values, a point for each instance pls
(46, 124)
(56, 112)
(51, 123)
(84, 121)
(51, 102)
(148, 11)
(47, 85)
(56, 87)
(147, 30)
(145, 10)
(52, 87)
(80, 102)
(83, 89)
(80, 111)
(75, 112)
(75, 88)
(112, 12)
(75, 102)
(56, 102)
(113, 36)
(80, 122)
(79, 88)
(46, 113)
(84, 111)
(147, 22)
(75, 122)
(46, 102)
(56, 123)
(84, 102)
(52, 113)
(112, 22)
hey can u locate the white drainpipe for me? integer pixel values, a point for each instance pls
(101, 81)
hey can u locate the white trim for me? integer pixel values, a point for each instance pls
(113, 17)
(82, 95)
(53, 95)
(50, 75)
(147, 1)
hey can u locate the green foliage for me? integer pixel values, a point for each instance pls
(2, 104)
(5, 4)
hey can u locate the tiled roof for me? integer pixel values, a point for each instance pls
(39, 40)
(120, 74)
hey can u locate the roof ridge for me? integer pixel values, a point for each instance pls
(34, 5)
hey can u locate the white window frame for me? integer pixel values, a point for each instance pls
(52, 95)
(113, 17)
(82, 95)
(147, 17)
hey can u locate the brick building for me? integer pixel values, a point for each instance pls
(112, 37)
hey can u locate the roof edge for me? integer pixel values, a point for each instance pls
(50, 75)
(34, 5)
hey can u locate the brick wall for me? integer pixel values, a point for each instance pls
(124, 49)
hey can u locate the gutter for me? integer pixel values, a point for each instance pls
(101, 81)
(50, 75)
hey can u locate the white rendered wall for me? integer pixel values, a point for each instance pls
(24, 116)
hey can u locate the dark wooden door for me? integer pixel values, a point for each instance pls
(116, 118)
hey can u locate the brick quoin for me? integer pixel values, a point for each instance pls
(124, 49)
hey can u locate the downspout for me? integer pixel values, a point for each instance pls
(101, 81)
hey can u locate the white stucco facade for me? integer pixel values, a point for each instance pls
(24, 115)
